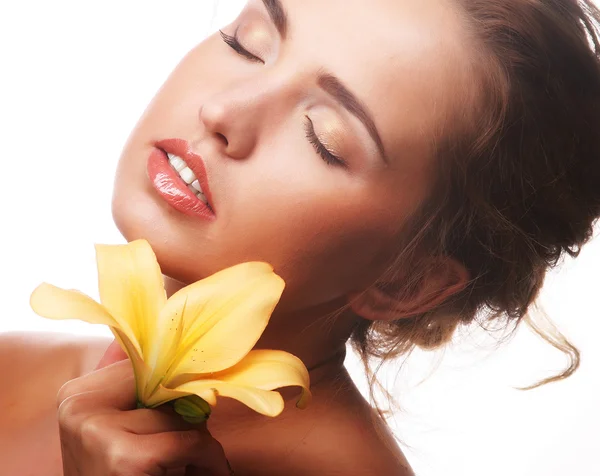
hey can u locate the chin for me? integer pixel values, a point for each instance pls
(137, 216)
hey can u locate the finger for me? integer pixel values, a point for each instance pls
(104, 377)
(111, 373)
(114, 353)
(112, 386)
(77, 408)
(160, 452)
(156, 420)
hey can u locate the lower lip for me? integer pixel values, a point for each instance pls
(171, 187)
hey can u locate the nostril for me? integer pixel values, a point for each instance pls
(223, 138)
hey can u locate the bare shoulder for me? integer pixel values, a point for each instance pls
(340, 435)
(361, 444)
(35, 351)
(32, 361)
(362, 434)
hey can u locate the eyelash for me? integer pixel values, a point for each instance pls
(233, 42)
(326, 155)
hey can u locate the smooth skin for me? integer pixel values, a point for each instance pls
(327, 228)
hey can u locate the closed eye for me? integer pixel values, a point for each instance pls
(326, 155)
(235, 44)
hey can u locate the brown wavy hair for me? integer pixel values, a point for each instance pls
(517, 184)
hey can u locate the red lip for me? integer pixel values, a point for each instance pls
(169, 184)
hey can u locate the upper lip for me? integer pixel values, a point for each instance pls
(181, 148)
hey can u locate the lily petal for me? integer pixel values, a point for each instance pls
(52, 302)
(163, 395)
(56, 303)
(268, 370)
(262, 401)
(223, 316)
(131, 288)
(141, 371)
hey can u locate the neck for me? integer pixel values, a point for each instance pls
(316, 335)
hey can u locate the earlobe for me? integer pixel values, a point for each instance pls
(441, 282)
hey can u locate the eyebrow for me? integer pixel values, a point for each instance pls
(329, 82)
(278, 15)
(334, 87)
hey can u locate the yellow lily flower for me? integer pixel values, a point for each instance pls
(197, 343)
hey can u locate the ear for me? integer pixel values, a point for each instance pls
(443, 280)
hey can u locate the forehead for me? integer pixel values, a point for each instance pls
(403, 58)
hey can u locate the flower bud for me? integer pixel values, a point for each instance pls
(192, 408)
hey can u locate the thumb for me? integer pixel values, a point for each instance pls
(113, 354)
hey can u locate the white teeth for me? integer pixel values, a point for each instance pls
(202, 198)
(197, 186)
(176, 162)
(187, 175)
(198, 195)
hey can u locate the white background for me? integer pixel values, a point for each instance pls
(75, 76)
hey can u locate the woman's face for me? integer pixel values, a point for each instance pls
(315, 141)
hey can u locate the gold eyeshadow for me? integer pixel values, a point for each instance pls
(330, 132)
(257, 40)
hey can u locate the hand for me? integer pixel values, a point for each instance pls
(102, 433)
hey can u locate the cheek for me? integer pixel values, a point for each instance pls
(318, 228)
(342, 240)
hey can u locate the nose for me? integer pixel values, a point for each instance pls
(216, 118)
(236, 116)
